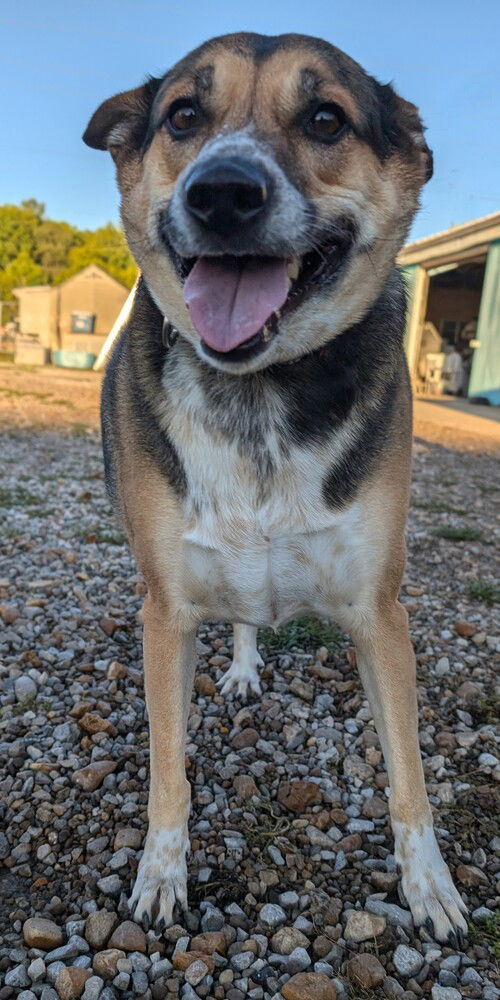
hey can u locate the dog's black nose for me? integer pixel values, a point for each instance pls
(226, 193)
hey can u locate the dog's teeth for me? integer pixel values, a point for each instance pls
(266, 334)
(293, 268)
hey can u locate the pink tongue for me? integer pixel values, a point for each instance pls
(229, 300)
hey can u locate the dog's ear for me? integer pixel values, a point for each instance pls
(403, 129)
(122, 120)
(412, 122)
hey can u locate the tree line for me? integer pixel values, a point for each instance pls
(35, 250)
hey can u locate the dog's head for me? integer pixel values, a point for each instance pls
(267, 185)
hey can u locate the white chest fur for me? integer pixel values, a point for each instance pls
(260, 552)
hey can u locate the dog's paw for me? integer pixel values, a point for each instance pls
(242, 677)
(427, 884)
(161, 879)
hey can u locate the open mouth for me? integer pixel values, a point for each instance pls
(236, 302)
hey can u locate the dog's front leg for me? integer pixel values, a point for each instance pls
(242, 676)
(169, 664)
(387, 667)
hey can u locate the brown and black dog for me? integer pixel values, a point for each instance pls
(257, 410)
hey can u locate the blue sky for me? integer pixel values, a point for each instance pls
(61, 59)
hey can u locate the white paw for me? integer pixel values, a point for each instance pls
(427, 884)
(161, 879)
(242, 677)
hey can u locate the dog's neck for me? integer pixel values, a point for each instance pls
(318, 388)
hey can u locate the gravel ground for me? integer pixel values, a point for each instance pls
(293, 886)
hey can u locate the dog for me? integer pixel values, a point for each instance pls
(256, 410)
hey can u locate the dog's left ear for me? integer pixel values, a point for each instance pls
(412, 122)
(403, 128)
(122, 120)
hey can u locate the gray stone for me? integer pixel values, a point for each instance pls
(139, 983)
(445, 993)
(25, 687)
(394, 915)
(452, 963)
(17, 976)
(447, 978)
(36, 970)
(272, 915)
(49, 994)
(110, 885)
(392, 988)
(53, 970)
(407, 961)
(93, 988)
(470, 976)
(298, 960)
(241, 961)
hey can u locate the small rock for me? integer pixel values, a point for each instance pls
(110, 885)
(299, 795)
(24, 687)
(244, 786)
(36, 970)
(247, 738)
(71, 981)
(93, 723)
(128, 936)
(209, 942)
(98, 928)
(128, 837)
(394, 915)
(465, 629)
(384, 881)
(91, 777)
(288, 938)
(272, 915)
(366, 971)
(41, 933)
(104, 962)
(196, 972)
(204, 685)
(470, 876)
(445, 993)
(17, 976)
(309, 986)
(363, 926)
(407, 961)
(93, 988)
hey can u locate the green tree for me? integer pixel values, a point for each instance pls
(106, 247)
(53, 242)
(17, 232)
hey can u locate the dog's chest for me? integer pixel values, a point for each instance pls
(260, 549)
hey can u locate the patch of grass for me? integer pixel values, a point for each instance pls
(62, 402)
(18, 496)
(489, 930)
(455, 533)
(485, 591)
(6, 357)
(486, 711)
(102, 536)
(436, 507)
(27, 705)
(24, 393)
(80, 430)
(308, 633)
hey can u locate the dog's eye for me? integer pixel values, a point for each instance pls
(183, 117)
(326, 123)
